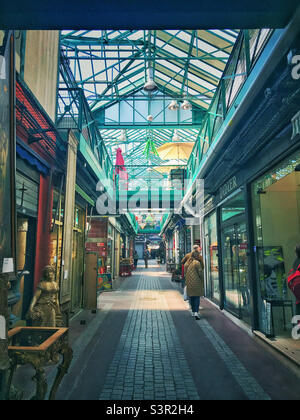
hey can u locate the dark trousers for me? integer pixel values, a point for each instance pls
(195, 303)
(146, 263)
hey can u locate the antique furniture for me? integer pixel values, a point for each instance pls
(39, 347)
(125, 267)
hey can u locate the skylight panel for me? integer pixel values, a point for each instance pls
(162, 75)
(92, 34)
(209, 69)
(170, 49)
(201, 82)
(136, 35)
(85, 69)
(171, 66)
(198, 43)
(225, 35)
(221, 54)
(184, 36)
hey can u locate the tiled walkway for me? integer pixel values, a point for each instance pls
(149, 362)
(143, 344)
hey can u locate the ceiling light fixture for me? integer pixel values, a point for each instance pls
(123, 137)
(175, 137)
(186, 105)
(150, 86)
(173, 106)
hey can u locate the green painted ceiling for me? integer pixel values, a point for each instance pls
(111, 68)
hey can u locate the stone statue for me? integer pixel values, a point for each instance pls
(44, 309)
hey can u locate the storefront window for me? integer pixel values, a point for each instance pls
(211, 257)
(276, 201)
(56, 235)
(235, 258)
(77, 258)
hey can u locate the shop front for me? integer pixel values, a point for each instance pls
(276, 213)
(77, 258)
(226, 250)
(250, 231)
(234, 257)
(211, 258)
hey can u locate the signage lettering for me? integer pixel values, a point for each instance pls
(227, 188)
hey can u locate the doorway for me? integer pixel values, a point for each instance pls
(234, 242)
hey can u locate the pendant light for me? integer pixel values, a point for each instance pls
(173, 106)
(186, 105)
(175, 137)
(150, 86)
(123, 137)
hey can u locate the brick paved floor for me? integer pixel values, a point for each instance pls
(149, 362)
(143, 344)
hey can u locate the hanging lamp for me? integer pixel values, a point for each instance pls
(175, 137)
(123, 137)
(186, 105)
(173, 106)
(150, 86)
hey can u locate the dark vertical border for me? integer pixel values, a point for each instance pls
(221, 277)
(252, 274)
(12, 107)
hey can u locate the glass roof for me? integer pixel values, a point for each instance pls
(111, 64)
(111, 68)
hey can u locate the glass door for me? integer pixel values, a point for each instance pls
(211, 257)
(235, 258)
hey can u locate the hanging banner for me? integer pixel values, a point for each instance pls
(7, 154)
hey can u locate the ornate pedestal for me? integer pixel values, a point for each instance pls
(39, 347)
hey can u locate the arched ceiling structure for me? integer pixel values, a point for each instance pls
(110, 66)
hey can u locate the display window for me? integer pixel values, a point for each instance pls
(276, 209)
(77, 258)
(56, 235)
(234, 244)
(211, 258)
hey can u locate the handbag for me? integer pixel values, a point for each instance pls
(293, 282)
(185, 296)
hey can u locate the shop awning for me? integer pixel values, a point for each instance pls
(32, 160)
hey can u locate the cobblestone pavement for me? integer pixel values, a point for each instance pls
(149, 362)
(143, 344)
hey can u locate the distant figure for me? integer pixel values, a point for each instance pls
(196, 248)
(162, 253)
(135, 258)
(146, 257)
(194, 280)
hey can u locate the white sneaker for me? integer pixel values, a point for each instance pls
(196, 315)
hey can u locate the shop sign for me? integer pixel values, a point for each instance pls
(227, 188)
(296, 125)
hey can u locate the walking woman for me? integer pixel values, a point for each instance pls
(194, 279)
